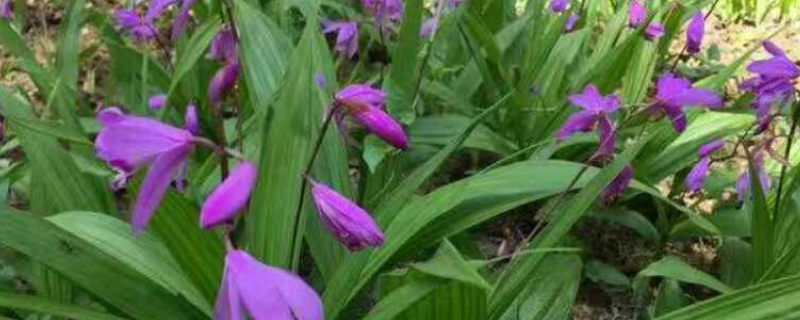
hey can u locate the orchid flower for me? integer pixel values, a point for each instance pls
(348, 222)
(697, 177)
(674, 94)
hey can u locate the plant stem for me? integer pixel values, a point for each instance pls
(787, 152)
(306, 172)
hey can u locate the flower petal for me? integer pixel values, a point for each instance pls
(608, 140)
(228, 306)
(381, 124)
(271, 293)
(182, 20)
(677, 116)
(361, 96)
(697, 97)
(157, 102)
(582, 121)
(695, 33)
(157, 8)
(155, 185)
(190, 121)
(223, 82)
(654, 31)
(711, 147)
(697, 177)
(618, 185)
(637, 14)
(230, 197)
(135, 140)
(350, 224)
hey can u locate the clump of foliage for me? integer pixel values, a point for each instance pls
(390, 159)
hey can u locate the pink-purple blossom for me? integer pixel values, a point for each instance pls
(697, 177)
(346, 37)
(637, 14)
(559, 6)
(654, 31)
(7, 9)
(743, 185)
(182, 20)
(131, 24)
(223, 205)
(224, 47)
(618, 186)
(348, 222)
(695, 33)
(385, 12)
(157, 102)
(675, 93)
(263, 292)
(223, 82)
(571, 22)
(191, 122)
(128, 143)
(366, 106)
(596, 112)
(773, 83)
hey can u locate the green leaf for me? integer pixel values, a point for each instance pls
(551, 292)
(402, 81)
(774, 300)
(144, 253)
(195, 48)
(514, 278)
(92, 269)
(631, 219)
(393, 304)
(674, 268)
(598, 271)
(264, 50)
(670, 297)
(294, 125)
(440, 129)
(441, 299)
(69, 49)
(761, 227)
(448, 263)
(40, 305)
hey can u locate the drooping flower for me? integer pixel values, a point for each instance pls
(699, 173)
(190, 121)
(596, 112)
(224, 47)
(571, 22)
(637, 14)
(223, 82)
(349, 223)
(618, 185)
(695, 33)
(263, 292)
(346, 37)
(230, 197)
(128, 143)
(157, 102)
(654, 31)
(674, 94)
(366, 105)
(7, 9)
(131, 24)
(385, 12)
(773, 84)
(743, 183)
(157, 9)
(559, 6)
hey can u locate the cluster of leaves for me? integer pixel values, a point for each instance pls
(491, 83)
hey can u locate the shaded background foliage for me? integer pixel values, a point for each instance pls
(481, 102)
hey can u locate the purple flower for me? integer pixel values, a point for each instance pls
(694, 35)
(224, 47)
(383, 10)
(571, 22)
(654, 31)
(346, 37)
(698, 175)
(618, 185)
(596, 112)
(350, 224)
(263, 292)
(743, 183)
(773, 83)
(230, 197)
(130, 24)
(559, 6)
(128, 143)
(365, 105)
(157, 102)
(182, 19)
(190, 121)
(157, 8)
(455, 3)
(223, 82)
(637, 14)
(7, 9)
(428, 28)
(675, 93)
